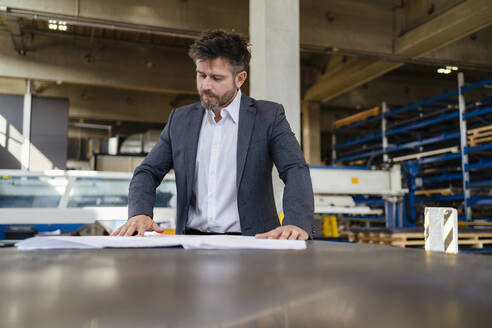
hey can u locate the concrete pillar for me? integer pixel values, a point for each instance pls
(275, 61)
(311, 132)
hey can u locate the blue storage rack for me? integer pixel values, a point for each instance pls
(438, 128)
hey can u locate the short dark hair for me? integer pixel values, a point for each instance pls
(219, 43)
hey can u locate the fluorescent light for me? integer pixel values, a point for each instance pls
(453, 68)
(443, 70)
(57, 25)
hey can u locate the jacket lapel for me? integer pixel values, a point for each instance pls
(247, 113)
(194, 127)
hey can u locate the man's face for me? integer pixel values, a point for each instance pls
(216, 83)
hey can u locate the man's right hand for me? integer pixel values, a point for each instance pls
(138, 224)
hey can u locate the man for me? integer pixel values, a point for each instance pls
(222, 151)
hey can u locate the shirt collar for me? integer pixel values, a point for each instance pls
(233, 107)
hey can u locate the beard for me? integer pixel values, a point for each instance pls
(213, 101)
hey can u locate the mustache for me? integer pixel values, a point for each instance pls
(207, 93)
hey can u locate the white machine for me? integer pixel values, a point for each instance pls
(334, 187)
(76, 197)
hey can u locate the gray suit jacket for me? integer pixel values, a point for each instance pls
(264, 138)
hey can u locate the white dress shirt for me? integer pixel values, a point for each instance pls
(213, 205)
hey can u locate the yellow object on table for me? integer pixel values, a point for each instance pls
(168, 232)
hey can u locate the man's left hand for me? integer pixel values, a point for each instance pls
(290, 232)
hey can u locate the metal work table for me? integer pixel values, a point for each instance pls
(329, 285)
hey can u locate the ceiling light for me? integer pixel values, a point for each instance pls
(447, 70)
(57, 25)
(443, 70)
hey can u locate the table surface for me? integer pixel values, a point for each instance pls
(328, 284)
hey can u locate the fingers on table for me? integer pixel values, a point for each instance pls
(276, 233)
(156, 228)
(116, 232)
(134, 228)
(137, 228)
(285, 234)
(122, 230)
(303, 235)
(272, 234)
(294, 235)
(141, 230)
(130, 229)
(126, 230)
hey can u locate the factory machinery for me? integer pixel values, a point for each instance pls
(360, 196)
(65, 201)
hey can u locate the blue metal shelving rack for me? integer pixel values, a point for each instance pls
(431, 141)
(476, 154)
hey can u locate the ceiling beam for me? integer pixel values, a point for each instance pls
(454, 24)
(15, 31)
(465, 18)
(455, 54)
(353, 73)
(99, 64)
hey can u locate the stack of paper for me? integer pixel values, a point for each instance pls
(187, 242)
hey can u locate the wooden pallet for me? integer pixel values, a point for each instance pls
(430, 192)
(408, 239)
(475, 240)
(452, 150)
(480, 135)
(351, 236)
(357, 117)
(391, 239)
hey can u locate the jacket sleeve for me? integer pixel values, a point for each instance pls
(298, 199)
(148, 175)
